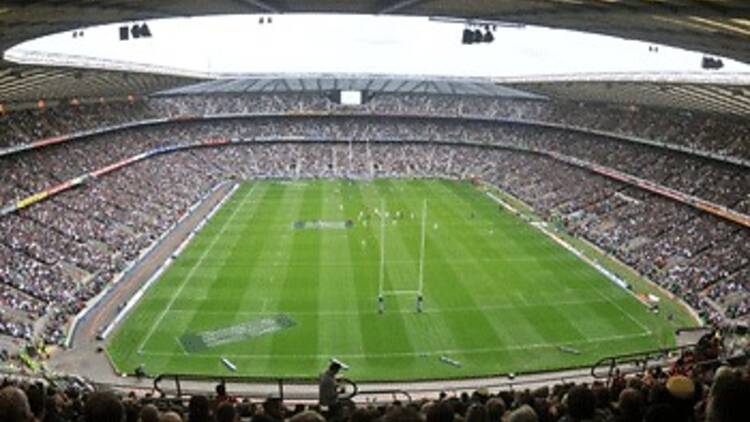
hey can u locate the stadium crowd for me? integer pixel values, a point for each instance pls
(59, 253)
(715, 134)
(682, 393)
(30, 125)
(724, 184)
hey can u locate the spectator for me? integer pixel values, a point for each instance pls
(525, 413)
(103, 406)
(198, 409)
(149, 413)
(14, 406)
(328, 390)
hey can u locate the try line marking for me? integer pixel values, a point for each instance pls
(409, 354)
(193, 269)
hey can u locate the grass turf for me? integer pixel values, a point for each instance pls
(499, 296)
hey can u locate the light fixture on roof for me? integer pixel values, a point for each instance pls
(474, 35)
(711, 63)
(141, 31)
(134, 31)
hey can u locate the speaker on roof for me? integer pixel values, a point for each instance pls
(145, 31)
(710, 63)
(478, 37)
(135, 31)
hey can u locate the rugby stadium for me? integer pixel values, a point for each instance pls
(224, 245)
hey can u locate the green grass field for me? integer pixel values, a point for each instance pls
(277, 284)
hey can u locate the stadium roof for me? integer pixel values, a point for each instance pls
(371, 84)
(719, 27)
(711, 95)
(19, 84)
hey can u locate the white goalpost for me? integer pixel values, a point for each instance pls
(382, 292)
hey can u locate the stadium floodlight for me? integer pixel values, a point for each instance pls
(145, 31)
(135, 31)
(140, 31)
(468, 37)
(710, 63)
(124, 33)
(476, 36)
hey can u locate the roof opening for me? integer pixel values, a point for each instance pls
(240, 45)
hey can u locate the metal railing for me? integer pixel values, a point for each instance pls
(350, 388)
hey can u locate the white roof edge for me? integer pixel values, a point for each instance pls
(83, 63)
(725, 78)
(29, 57)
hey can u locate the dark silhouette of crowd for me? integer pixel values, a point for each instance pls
(696, 393)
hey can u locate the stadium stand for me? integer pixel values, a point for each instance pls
(94, 169)
(653, 172)
(83, 237)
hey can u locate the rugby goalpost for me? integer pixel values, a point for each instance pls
(382, 292)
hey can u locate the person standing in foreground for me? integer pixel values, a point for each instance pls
(328, 392)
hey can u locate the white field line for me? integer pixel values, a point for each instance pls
(193, 269)
(404, 311)
(588, 261)
(627, 314)
(411, 354)
(369, 263)
(182, 347)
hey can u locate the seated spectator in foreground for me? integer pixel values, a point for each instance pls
(149, 413)
(729, 400)
(14, 407)
(103, 406)
(170, 416)
(198, 409)
(226, 412)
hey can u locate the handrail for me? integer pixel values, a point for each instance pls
(639, 361)
(179, 378)
(392, 391)
(280, 382)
